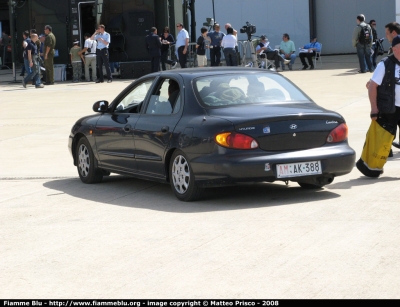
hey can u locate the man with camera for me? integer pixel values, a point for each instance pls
(215, 46)
(89, 51)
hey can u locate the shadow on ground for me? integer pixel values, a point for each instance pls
(136, 193)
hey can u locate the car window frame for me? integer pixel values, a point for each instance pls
(206, 106)
(128, 90)
(156, 85)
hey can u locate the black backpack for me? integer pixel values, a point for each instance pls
(365, 35)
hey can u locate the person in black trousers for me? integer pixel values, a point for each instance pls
(103, 41)
(167, 40)
(153, 42)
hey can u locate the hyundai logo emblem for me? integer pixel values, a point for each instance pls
(293, 126)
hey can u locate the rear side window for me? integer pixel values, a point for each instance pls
(225, 90)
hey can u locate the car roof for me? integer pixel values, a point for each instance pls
(206, 71)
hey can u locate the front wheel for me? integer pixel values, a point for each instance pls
(86, 163)
(182, 178)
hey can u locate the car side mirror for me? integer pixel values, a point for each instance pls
(100, 106)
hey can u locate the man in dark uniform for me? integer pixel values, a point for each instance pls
(49, 45)
(153, 42)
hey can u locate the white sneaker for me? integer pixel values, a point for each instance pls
(174, 65)
(286, 61)
(250, 64)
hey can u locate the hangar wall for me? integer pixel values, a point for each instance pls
(272, 18)
(335, 20)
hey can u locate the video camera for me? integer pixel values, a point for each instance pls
(249, 29)
(209, 23)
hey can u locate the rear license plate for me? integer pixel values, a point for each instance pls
(298, 169)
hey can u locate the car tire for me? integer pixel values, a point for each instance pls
(86, 163)
(182, 178)
(310, 186)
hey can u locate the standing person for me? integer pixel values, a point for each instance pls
(392, 29)
(25, 42)
(42, 38)
(76, 61)
(5, 41)
(201, 48)
(182, 44)
(103, 41)
(312, 48)
(49, 45)
(362, 40)
(153, 43)
(287, 50)
(372, 24)
(33, 60)
(229, 43)
(228, 25)
(215, 45)
(167, 40)
(385, 113)
(89, 50)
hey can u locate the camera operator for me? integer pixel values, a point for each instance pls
(271, 54)
(215, 46)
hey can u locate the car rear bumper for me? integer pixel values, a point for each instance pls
(226, 166)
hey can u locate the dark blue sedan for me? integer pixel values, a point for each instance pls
(201, 128)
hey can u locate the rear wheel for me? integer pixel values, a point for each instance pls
(182, 178)
(86, 163)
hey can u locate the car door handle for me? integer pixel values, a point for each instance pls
(127, 128)
(164, 129)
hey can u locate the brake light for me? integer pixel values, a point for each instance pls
(338, 134)
(236, 140)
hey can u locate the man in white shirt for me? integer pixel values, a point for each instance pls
(89, 51)
(182, 44)
(229, 43)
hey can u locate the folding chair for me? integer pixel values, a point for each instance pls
(317, 57)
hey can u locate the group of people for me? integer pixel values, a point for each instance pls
(383, 89)
(217, 42)
(38, 51)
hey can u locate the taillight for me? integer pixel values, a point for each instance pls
(236, 140)
(338, 134)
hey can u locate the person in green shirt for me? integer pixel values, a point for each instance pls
(287, 51)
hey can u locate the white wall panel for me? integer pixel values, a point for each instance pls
(336, 21)
(271, 17)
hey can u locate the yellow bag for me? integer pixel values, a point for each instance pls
(376, 150)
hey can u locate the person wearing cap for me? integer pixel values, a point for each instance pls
(363, 48)
(263, 47)
(311, 48)
(89, 51)
(384, 97)
(76, 61)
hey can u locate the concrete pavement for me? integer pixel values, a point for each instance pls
(130, 238)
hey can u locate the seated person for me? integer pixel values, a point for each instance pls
(263, 47)
(287, 50)
(206, 90)
(312, 47)
(255, 91)
(173, 92)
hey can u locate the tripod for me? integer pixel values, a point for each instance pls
(249, 52)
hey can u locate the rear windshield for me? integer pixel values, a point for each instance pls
(259, 88)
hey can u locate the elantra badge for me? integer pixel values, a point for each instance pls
(267, 130)
(293, 126)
